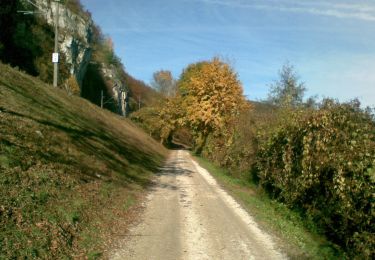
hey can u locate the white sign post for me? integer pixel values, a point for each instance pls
(55, 57)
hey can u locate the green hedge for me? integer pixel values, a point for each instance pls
(322, 162)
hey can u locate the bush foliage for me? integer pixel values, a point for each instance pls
(235, 146)
(72, 86)
(317, 161)
(322, 161)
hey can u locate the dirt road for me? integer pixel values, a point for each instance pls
(188, 216)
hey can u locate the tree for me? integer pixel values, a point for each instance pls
(164, 82)
(312, 102)
(211, 94)
(171, 116)
(161, 120)
(287, 91)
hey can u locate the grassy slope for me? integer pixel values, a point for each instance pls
(69, 171)
(293, 234)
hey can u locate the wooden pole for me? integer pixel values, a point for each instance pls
(101, 99)
(56, 63)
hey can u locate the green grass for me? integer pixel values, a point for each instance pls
(70, 172)
(129, 202)
(296, 236)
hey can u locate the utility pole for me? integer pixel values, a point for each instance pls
(126, 103)
(101, 99)
(55, 55)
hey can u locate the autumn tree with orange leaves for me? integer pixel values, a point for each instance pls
(207, 100)
(211, 95)
(164, 82)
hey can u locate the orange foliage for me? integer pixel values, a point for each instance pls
(212, 94)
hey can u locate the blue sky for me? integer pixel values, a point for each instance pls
(331, 43)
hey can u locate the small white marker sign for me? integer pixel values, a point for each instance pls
(55, 57)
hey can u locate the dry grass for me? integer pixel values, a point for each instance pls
(69, 171)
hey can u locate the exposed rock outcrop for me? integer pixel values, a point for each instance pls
(75, 36)
(119, 90)
(76, 43)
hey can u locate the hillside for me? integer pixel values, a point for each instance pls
(70, 171)
(88, 66)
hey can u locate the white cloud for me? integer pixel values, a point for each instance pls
(365, 12)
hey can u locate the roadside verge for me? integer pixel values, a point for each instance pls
(297, 237)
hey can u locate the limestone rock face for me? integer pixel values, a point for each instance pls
(75, 42)
(75, 36)
(119, 90)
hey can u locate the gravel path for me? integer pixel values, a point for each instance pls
(189, 216)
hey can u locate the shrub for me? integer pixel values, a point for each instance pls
(148, 119)
(322, 162)
(234, 147)
(72, 86)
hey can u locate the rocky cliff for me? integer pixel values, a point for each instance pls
(119, 89)
(75, 36)
(76, 43)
